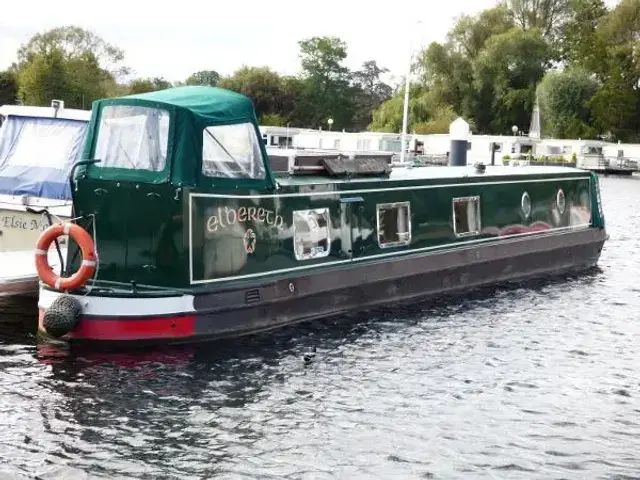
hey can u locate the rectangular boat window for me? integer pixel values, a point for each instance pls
(394, 224)
(232, 151)
(466, 216)
(133, 137)
(311, 234)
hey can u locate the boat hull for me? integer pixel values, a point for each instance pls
(273, 303)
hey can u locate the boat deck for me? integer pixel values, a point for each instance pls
(435, 173)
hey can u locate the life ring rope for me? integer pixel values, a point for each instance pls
(88, 265)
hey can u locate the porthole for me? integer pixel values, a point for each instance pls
(560, 201)
(525, 203)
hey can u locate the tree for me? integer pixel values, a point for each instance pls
(44, 78)
(261, 84)
(470, 33)
(204, 77)
(322, 57)
(580, 43)
(439, 122)
(370, 92)
(74, 42)
(327, 92)
(426, 112)
(505, 77)
(144, 85)
(547, 16)
(8, 88)
(615, 60)
(448, 69)
(67, 63)
(564, 103)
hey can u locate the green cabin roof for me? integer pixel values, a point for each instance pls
(191, 109)
(217, 105)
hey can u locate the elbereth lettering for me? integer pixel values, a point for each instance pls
(229, 216)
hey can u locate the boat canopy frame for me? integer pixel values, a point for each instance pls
(197, 117)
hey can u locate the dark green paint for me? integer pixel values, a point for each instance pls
(142, 229)
(143, 219)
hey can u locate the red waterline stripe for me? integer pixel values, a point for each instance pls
(141, 328)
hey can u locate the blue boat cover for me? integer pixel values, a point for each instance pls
(36, 155)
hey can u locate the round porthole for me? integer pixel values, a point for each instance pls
(525, 203)
(560, 201)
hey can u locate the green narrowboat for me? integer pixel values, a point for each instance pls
(183, 231)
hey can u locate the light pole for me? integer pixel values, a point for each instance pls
(405, 110)
(330, 122)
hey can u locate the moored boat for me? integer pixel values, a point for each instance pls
(184, 233)
(38, 146)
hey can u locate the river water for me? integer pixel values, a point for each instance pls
(533, 381)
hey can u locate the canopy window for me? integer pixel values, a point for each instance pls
(232, 151)
(133, 137)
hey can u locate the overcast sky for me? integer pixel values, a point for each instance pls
(185, 37)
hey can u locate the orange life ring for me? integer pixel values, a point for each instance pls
(89, 258)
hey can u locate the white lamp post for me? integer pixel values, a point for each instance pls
(330, 122)
(405, 112)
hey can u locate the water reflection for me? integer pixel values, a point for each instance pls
(537, 379)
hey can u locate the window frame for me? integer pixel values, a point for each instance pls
(391, 205)
(470, 198)
(323, 210)
(257, 149)
(99, 171)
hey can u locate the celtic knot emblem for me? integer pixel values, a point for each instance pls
(249, 241)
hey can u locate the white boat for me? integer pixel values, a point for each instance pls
(38, 146)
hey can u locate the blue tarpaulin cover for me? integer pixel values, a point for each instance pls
(36, 155)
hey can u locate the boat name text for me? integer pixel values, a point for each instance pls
(19, 223)
(229, 216)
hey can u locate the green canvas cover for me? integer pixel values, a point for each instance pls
(191, 109)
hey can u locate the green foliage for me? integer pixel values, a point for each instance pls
(328, 92)
(261, 84)
(439, 122)
(369, 93)
(74, 42)
(548, 16)
(388, 117)
(564, 103)
(272, 120)
(144, 85)
(204, 77)
(67, 63)
(487, 70)
(8, 88)
(491, 64)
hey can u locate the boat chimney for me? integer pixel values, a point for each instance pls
(459, 138)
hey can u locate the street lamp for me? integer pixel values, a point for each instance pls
(514, 129)
(405, 111)
(330, 122)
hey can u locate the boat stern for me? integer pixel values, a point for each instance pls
(115, 318)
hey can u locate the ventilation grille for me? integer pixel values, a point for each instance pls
(252, 296)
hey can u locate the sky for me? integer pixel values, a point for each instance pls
(195, 35)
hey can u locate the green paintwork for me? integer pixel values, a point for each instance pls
(153, 231)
